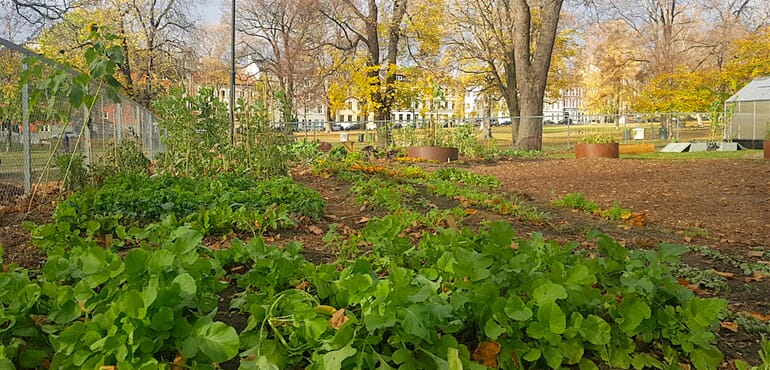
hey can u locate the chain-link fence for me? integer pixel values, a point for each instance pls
(34, 137)
(559, 132)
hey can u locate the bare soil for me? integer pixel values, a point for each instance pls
(721, 204)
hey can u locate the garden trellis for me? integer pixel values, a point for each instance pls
(32, 137)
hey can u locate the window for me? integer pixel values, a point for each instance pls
(105, 115)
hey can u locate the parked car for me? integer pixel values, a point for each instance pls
(566, 121)
(350, 125)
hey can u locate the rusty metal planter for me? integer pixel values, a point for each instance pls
(766, 148)
(607, 150)
(433, 153)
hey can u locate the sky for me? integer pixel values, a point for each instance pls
(211, 10)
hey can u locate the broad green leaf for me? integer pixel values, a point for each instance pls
(571, 351)
(333, 360)
(218, 341)
(93, 260)
(133, 304)
(414, 321)
(161, 260)
(501, 234)
(187, 286)
(532, 355)
(163, 319)
(492, 329)
(587, 364)
(580, 275)
(553, 357)
(633, 312)
(516, 310)
(552, 317)
(670, 252)
(706, 357)
(595, 330)
(548, 292)
(136, 261)
(185, 240)
(646, 361)
(446, 262)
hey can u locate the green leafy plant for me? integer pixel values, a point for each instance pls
(74, 172)
(576, 201)
(123, 157)
(597, 139)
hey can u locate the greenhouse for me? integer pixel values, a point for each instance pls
(750, 113)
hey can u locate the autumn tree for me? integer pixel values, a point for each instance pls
(483, 43)
(153, 35)
(376, 28)
(611, 68)
(210, 60)
(280, 38)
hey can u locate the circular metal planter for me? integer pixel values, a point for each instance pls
(609, 150)
(433, 153)
(766, 148)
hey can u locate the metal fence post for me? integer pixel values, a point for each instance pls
(27, 138)
(86, 136)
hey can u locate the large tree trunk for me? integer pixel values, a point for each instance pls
(532, 65)
(386, 92)
(511, 94)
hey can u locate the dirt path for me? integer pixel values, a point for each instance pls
(722, 203)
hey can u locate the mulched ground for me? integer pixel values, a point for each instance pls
(720, 204)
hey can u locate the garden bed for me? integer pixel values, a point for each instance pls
(681, 201)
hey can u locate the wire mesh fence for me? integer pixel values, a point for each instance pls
(558, 133)
(33, 137)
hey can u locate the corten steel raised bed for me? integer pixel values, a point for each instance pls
(766, 148)
(433, 153)
(608, 150)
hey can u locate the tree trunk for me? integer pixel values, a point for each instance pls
(533, 60)
(486, 125)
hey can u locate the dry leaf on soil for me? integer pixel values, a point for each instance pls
(315, 229)
(727, 275)
(695, 288)
(486, 354)
(757, 315)
(729, 325)
(756, 276)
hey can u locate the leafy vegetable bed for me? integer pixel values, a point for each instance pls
(451, 298)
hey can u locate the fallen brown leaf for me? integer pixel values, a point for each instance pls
(471, 211)
(338, 319)
(303, 285)
(728, 275)
(486, 354)
(687, 284)
(315, 229)
(757, 276)
(362, 220)
(729, 325)
(755, 253)
(178, 363)
(757, 315)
